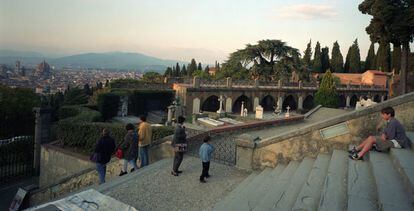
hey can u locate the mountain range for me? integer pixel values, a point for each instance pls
(109, 60)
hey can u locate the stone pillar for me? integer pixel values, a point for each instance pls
(300, 103)
(196, 105)
(255, 102)
(245, 146)
(229, 82)
(256, 83)
(348, 101)
(170, 114)
(300, 84)
(196, 82)
(382, 98)
(279, 84)
(42, 132)
(280, 103)
(229, 105)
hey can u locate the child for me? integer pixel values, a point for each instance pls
(205, 152)
(393, 136)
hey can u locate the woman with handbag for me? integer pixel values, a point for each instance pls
(102, 153)
(129, 149)
(179, 144)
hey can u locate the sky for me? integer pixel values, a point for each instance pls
(177, 29)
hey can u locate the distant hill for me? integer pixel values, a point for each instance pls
(110, 60)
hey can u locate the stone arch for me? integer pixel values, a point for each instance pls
(238, 102)
(341, 101)
(308, 103)
(354, 100)
(211, 104)
(289, 101)
(377, 99)
(268, 102)
(196, 105)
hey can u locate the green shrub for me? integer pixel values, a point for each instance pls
(68, 111)
(108, 104)
(79, 113)
(161, 132)
(326, 94)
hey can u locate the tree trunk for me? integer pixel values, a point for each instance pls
(404, 67)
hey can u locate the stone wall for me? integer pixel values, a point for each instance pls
(295, 145)
(74, 171)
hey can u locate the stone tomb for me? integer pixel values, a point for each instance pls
(230, 121)
(210, 122)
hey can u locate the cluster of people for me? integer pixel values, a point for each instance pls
(136, 145)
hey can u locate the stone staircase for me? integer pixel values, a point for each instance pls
(383, 181)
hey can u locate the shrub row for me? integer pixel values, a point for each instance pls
(79, 114)
(83, 135)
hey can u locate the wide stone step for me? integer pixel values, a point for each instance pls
(403, 160)
(221, 205)
(362, 192)
(241, 197)
(278, 189)
(299, 178)
(334, 193)
(390, 186)
(308, 198)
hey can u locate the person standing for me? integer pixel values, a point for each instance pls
(144, 140)
(104, 148)
(130, 149)
(205, 152)
(179, 139)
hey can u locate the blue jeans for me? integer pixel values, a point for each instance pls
(132, 162)
(101, 169)
(143, 155)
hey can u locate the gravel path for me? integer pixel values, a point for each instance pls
(156, 189)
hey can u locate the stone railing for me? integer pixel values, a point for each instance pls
(230, 83)
(308, 141)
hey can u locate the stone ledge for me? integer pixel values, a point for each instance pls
(338, 119)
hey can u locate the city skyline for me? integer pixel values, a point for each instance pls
(179, 30)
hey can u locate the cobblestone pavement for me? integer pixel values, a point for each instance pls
(157, 189)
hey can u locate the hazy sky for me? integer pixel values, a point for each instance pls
(207, 30)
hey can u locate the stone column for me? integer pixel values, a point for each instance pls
(279, 84)
(229, 82)
(280, 103)
(171, 109)
(300, 103)
(300, 84)
(256, 83)
(229, 105)
(382, 98)
(196, 82)
(245, 146)
(42, 133)
(348, 101)
(255, 102)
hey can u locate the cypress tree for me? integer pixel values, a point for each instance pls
(206, 69)
(326, 94)
(370, 60)
(199, 66)
(353, 59)
(183, 71)
(396, 58)
(337, 60)
(177, 69)
(307, 54)
(325, 59)
(384, 57)
(192, 67)
(317, 65)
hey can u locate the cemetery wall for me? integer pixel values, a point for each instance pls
(63, 171)
(308, 141)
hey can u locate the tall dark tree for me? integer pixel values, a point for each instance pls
(192, 67)
(392, 22)
(206, 69)
(326, 94)
(183, 71)
(168, 72)
(325, 59)
(383, 58)
(353, 59)
(337, 60)
(307, 56)
(177, 69)
(396, 58)
(317, 63)
(370, 60)
(199, 67)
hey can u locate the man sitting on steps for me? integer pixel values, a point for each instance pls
(393, 135)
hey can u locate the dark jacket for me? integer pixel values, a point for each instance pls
(130, 146)
(394, 130)
(104, 149)
(179, 135)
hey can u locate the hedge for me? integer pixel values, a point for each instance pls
(79, 114)
(83, 136)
